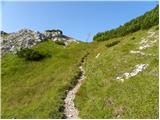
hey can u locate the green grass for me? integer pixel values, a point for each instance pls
(101, 96)
(4, 35)
(35, 89)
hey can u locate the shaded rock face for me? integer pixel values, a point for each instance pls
(26, 38)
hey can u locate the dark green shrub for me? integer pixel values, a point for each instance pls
(30, 54)
(157, 28)
(60, 42)
(132, 38)
(53, 30)
(3, 33)
(112, 44)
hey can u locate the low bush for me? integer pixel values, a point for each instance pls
(112, 43)
(55, 31)
(60, 42)
(30, 54)
(157, 28)
(132, 38)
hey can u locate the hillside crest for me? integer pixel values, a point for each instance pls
(26, 38)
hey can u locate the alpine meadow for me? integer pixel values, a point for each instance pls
(50, 75)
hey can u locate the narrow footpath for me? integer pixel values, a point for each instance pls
(71, 112)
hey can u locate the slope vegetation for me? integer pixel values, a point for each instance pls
(117, 79)
(145, 21)
(36, 89)
(121, 83)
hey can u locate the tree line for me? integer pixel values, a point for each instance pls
(145, 21)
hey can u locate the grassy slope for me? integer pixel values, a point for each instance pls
(101, 96)
(36, 89)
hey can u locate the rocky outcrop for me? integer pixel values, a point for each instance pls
(26, 38)
(147, 42)
(138, 68)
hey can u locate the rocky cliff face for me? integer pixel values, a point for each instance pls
(26, 38)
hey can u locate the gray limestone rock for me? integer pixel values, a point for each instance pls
(26, 38)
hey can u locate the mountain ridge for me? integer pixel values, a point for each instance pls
(26, 38)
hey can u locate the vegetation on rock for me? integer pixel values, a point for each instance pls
(60, 31)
